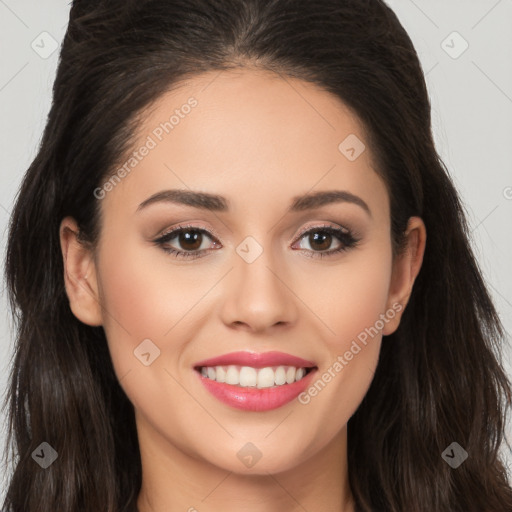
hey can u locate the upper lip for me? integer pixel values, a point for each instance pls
(256, 360)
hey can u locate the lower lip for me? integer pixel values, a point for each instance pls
(255, 399)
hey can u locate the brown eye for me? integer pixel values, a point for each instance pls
(190, 240)
(186, 242)
(321, 239)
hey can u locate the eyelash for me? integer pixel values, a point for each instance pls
(345, 236)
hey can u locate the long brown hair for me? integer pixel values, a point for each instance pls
(439, 379)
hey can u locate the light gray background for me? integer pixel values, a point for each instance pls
(472, 115)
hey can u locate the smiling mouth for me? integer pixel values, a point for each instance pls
(250, 377)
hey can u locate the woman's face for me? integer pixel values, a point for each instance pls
(289, 252)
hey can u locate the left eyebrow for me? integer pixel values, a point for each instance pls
(213, 202)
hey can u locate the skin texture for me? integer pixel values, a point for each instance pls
(259, 140)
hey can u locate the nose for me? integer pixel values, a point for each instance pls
(259, 296)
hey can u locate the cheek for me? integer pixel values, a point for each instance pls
(145, 295)
(353, 305)
(141, 299)
(351, 296)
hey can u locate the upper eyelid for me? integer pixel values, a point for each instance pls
(208, 231)
(338, 228)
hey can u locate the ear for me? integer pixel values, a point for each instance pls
(405, 269)
(79, 275)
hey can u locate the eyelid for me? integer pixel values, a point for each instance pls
(212, 233)
(206, 230)
(337, 227)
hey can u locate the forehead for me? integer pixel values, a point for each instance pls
(248, 134)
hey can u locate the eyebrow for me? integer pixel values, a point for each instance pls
(216, 203)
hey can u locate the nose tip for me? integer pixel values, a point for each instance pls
(257, 298)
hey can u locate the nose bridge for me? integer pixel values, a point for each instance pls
(257, 293)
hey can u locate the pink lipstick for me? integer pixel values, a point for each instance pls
(255, 382)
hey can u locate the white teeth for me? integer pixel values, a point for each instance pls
(280, 377)
(247, 376)
(266, 378)
(300, 373)
(221, 374)
(290, 375)
(232, 375)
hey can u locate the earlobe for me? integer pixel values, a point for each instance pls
(79, 275)
(406, 268)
